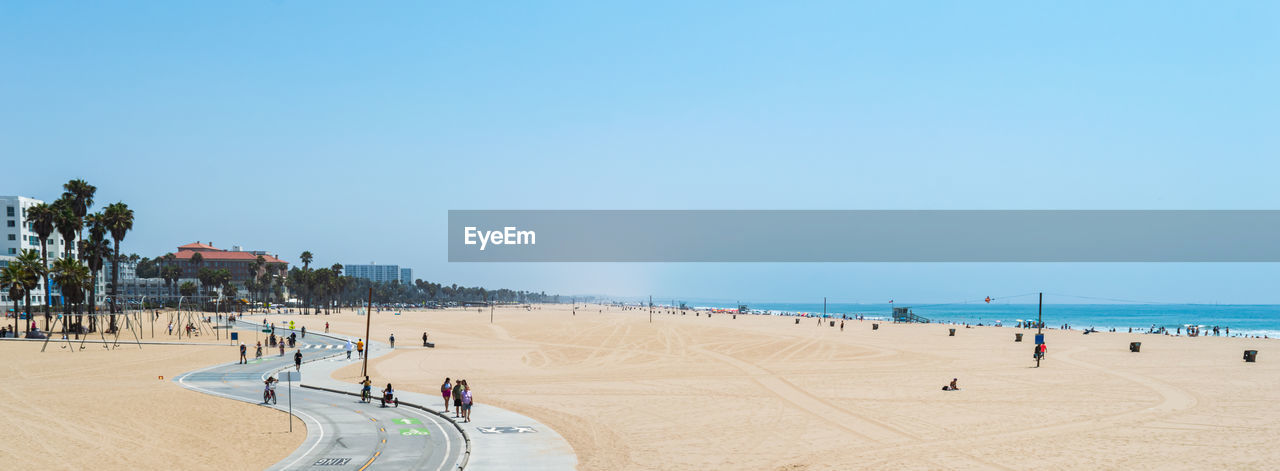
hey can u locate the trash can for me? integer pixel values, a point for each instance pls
(875, 326)
(1250, 356)
(1017, 337)
(735, 316)
(797, 320)
(1135, 346)
(833, 323)
(953, 333)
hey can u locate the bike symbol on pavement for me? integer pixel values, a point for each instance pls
(414, 431)
(516, 429)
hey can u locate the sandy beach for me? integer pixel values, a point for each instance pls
(760, 392)
(109, 409)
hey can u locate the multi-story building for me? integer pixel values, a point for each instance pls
(19, 234)
(242, 264)
(379, 273)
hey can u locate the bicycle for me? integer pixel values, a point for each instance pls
(365, 396)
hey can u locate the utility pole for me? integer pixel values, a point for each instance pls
(1039, 327)
(491, 313)
(368, 319)
(651, 309)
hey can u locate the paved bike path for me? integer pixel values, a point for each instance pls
(343, 433)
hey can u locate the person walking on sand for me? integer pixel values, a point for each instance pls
(457, 398)
(244, 360)
(424, 343)
(446, 390)
(297, 361)
(348, 348)
(326, 327)
(393, 340)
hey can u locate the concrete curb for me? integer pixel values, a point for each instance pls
(466, 456)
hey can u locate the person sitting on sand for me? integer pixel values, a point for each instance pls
(952, 386)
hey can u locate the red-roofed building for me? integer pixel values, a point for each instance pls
(242, 264)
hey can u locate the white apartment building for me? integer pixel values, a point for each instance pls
(18, 234)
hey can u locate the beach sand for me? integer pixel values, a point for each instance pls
(761, 392)
(108, 409)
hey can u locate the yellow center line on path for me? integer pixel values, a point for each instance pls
(375, 456)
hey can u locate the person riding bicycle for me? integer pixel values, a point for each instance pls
(388, 395)
(366, 389)
(269, 390)
(258, 353)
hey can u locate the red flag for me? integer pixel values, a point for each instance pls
(988, 299)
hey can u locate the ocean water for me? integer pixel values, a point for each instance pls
(1242, 319)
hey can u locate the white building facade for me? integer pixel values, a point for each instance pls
(18, 234)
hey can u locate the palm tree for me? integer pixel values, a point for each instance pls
(92, 251)
(29, 261)
(171, 275)
(79, 194)
(14, 279)
(119, 220)
(187, 289)
(72, 276)
(67, 223)
(41, 218)
(306, 259)
(197, 260)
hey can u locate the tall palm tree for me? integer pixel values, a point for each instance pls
(306, 259)
(79, 194)
(29, 260)
(72, 276)
(41, 217)
(93, 251)
(14, 279)
(197, 260)
(67, 223)
(119, 220)
(170, 265)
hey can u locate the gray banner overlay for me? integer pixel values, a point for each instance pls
(863, 236)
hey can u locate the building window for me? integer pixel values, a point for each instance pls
(11, 223)
(13, 237)
(11, 211)
(13, 251)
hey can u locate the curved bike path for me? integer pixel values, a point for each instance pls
(343, 433)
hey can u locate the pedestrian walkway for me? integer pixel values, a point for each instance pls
(500, 439)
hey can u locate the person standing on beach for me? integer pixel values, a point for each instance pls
(446, 391)
(348, 348)
(326, 327)
(393, 340)
(424, 343)
(244, 360)
(360, 347)
(842, 326)
(1042, 349)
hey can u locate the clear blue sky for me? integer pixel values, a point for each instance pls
(350, 129)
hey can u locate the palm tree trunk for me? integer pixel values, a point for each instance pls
(44, 258)
(93, 302)
(29, 319)
(115, 281)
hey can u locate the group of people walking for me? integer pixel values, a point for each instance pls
(460, 396)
